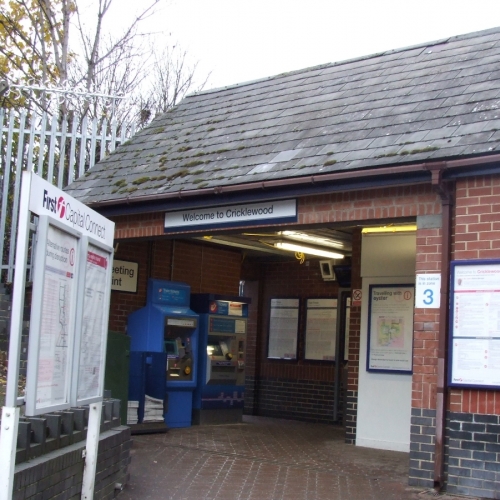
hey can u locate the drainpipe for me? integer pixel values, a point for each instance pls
(445, 195)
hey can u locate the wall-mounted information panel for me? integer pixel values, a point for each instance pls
(390, 328)
(283, 328)
(475, 324)
(321, 329)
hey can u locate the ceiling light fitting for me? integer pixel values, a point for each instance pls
(294, 247)
(308, 238)
(390, 229)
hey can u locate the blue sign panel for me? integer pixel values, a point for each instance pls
(168, 293)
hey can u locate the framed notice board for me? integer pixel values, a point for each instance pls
(283, 328)
(52, 326)
(321, 329)
(474, 349)
(390, 328)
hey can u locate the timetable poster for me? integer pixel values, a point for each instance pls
(283, 328)
(94, 328)
(390, 328)
(475, 324)
(56, 325)
(321, 329)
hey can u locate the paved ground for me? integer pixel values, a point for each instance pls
(263, 459)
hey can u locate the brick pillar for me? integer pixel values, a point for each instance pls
(425, 347)
(351, 407)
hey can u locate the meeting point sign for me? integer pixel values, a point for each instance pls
(243, 214)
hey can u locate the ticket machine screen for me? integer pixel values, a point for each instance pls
(177, 345)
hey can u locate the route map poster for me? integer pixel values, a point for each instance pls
(56, 322)
(390, 328)
(283, 328)
(475, 324)
(94, 323)
(321, 329)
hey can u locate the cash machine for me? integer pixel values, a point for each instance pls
(168, 326)
(219, 395)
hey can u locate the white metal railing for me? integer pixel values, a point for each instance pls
(57, 150)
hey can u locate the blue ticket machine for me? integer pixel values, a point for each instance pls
(219, 395)
(167, 325)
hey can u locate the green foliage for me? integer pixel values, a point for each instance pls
(34, 42)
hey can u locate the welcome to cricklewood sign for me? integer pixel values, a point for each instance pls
(244, 214)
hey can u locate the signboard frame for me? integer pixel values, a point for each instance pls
(285, 305)
(38, 312)
(67, 215)
(428, 291)
(477, 278)
(321, 306)
(391, 292)
(261, 213)
(81, 343)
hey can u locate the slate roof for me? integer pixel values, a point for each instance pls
(429, 102)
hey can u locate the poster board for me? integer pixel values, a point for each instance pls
(61, 283)
(474, 349)
(66, 228)
(390, 328)
(283, 328)
(52, 324)
(321, 329)
(92, 320)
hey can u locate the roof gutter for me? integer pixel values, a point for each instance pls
(312, 179)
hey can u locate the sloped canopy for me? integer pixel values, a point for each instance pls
(429, 103)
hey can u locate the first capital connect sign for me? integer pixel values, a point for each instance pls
(59, 206)
(47, 198)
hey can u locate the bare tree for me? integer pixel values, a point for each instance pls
(108, 60)
(36, 46)
(171, 77)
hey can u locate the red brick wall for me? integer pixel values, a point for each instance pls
(477, 236)
(139, 226)
(369, 204)
(426, 325)
(355, 316)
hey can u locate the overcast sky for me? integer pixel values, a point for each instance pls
(244, 40)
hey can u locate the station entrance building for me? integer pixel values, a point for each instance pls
(390, 163)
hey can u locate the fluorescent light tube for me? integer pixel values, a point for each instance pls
(390, 229)
(293, 247)
(309, 238)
